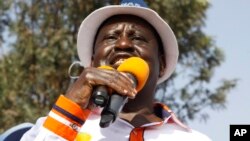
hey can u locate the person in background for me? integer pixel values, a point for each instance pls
(108, 37)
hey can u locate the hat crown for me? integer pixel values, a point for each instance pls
(136, 3)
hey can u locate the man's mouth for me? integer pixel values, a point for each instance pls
(118, 62)
(118, 59)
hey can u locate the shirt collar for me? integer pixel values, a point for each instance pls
(168, 117)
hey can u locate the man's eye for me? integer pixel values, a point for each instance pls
(138, 38)
(110, 37)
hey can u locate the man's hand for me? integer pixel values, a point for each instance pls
(81, 91)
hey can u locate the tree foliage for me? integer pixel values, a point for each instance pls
(34, 72)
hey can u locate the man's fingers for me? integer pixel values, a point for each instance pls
(81, 91)
(117, 81)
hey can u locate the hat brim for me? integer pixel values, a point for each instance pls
(90, 25)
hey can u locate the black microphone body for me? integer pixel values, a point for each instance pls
(111, 111)
(100, 96)
(114, 106)
(138, 71)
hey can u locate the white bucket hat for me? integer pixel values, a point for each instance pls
(90, 25)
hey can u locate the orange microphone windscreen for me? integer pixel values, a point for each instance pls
(138, 67)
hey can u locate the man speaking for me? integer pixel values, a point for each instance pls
(110, 36)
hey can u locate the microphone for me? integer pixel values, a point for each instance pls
(100, 94)
(137, 70)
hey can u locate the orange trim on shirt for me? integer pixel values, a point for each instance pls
(72, 108)
(60, 129)
(137, 134)
(65, 117)
(173, 118)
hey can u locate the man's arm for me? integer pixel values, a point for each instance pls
(62, 123)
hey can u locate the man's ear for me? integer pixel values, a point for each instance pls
(162, 65)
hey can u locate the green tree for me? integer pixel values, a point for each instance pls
(34, 72)
(199, 57)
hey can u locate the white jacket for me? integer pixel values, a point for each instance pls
(67, 121)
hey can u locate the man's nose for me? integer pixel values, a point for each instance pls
(124, 44)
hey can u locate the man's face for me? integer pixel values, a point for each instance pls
(124, 36)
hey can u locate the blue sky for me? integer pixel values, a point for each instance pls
(228, 23)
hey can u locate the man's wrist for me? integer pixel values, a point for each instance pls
(66, 118)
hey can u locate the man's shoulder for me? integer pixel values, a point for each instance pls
(173, 132)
